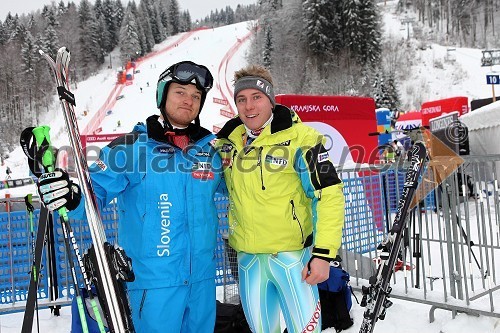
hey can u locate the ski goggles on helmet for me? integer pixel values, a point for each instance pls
(184, 72)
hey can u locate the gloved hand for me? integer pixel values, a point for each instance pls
(56, 190)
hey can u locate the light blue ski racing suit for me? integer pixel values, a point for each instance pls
(167, 225)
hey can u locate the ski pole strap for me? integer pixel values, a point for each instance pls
(30, 149)
(28, 200)
(66, 95)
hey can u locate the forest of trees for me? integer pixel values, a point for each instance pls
(469, 23)
(91, 31)
(332, 47)
(335, 47)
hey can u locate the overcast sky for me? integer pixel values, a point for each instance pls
(197, 8)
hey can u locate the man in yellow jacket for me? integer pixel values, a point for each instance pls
(286, 207)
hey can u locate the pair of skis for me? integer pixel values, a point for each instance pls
(104, 266)
(375, 296)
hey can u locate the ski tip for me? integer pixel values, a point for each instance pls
(41, 52)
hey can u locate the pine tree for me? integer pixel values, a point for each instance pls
(68, 32)
(163, 8)
(92, 55)
(28, 51)
(354, 29)
(61, 8)
(109, 15)
(50, 38)
(10, 26)
(185, 20)
(378, 90)
(174, 17)
(130, 44)
(3, 34)
(320, 26)
(229, 15)
(146, 34)
(268, 46)
(154, 16)
(392, 93)
(98, 9)
(370, 29)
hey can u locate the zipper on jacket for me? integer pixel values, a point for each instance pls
(259, 163)
(235, 152)
(297, 219)
(143, 299)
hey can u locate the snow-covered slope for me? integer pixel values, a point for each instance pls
(222, 50)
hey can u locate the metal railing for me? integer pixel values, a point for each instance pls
(449, 259)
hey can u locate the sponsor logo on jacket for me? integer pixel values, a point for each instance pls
(276, 160)
(322, 157)
(203, 154)
(101, 164)
(165, 150)
(284, 143)
(202, 170)
(226, 148)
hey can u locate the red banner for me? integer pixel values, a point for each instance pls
(220, 101)
(433, 109)
(227, 113)
(346, 122)
(99, 138)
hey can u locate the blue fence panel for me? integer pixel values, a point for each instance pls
(364, 214)
(16, 259)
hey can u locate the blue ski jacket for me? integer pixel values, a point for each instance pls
(165, 196)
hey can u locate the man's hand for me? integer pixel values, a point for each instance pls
(319, 272)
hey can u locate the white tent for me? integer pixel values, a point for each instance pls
(484, 133)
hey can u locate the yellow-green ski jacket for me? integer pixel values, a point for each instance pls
(284, 191)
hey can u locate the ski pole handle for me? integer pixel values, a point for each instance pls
(42, 138)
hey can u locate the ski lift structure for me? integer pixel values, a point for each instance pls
(490, 58)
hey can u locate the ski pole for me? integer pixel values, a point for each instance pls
(42, 138)
(28, 200)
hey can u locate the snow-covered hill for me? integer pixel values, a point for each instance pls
(222, 50)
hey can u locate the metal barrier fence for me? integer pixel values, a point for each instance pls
(448, 261)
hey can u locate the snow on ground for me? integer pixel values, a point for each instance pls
(435, 72)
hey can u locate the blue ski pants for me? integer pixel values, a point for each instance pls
(180, 309)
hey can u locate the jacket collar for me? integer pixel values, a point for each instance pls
(283, 119)
(157, 132)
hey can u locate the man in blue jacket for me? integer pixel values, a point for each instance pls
(164, 175)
